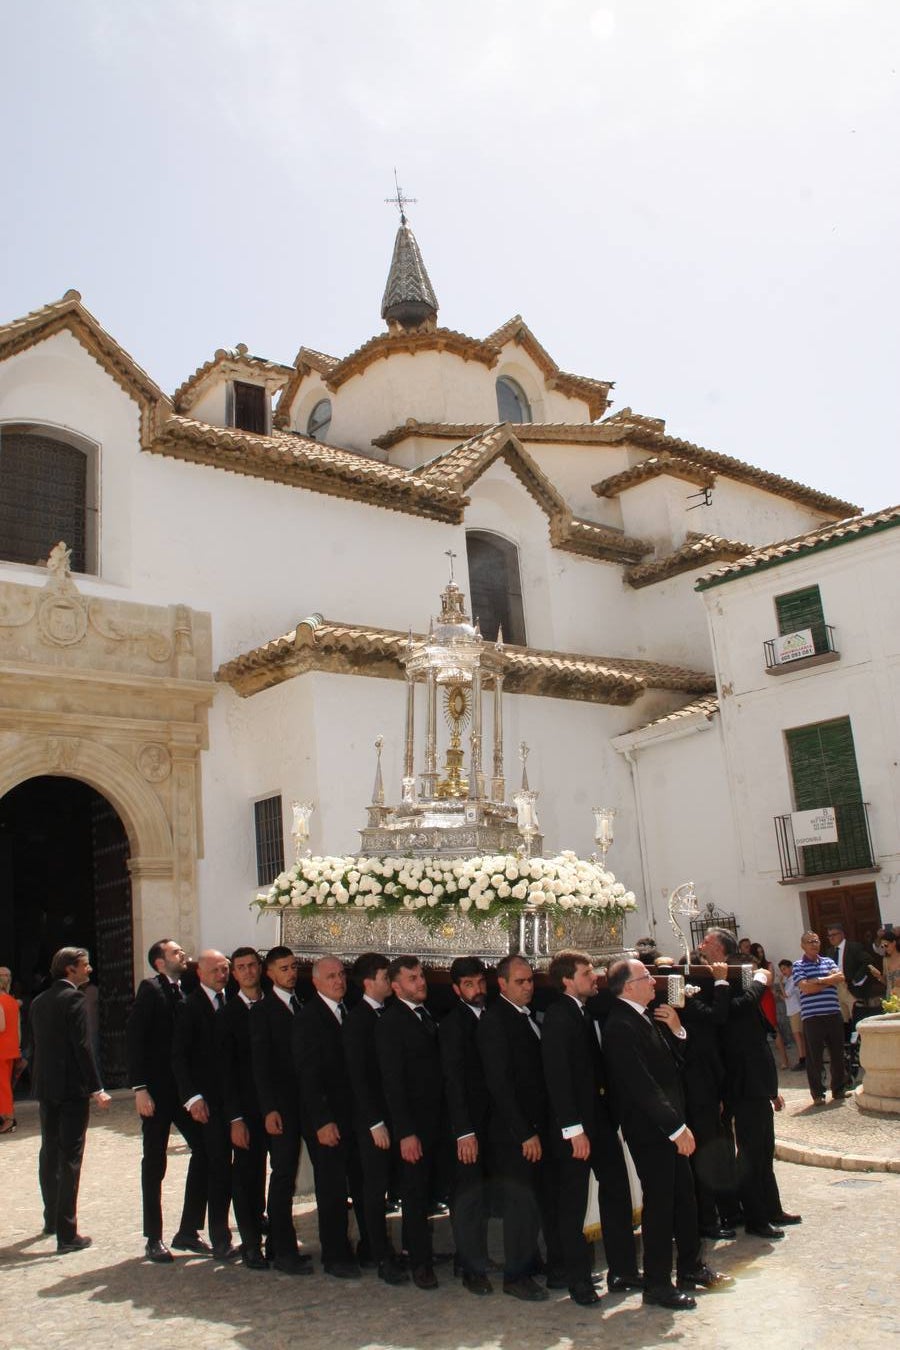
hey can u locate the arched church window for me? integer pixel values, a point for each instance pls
(47, 494)
(495, 587)
(319, 420)
(512, 404)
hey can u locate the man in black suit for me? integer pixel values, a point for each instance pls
(199, 1080)
(703, 1078)
(750, 1093)
(467, 1103)
(326, 1113)
(64, 1078)
(248, 1135)
(643, 1059)
(583, 1134)
(370, 1119)
(278, 1094)
(408, 1056)
(148, 1039)
(509, 1040)
(852, 960)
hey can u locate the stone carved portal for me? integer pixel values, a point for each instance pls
(114, 694)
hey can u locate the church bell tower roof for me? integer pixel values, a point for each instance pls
(409, 302)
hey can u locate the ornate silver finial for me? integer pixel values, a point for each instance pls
(378, 789)
(499, 643)
(400, 200)
(524, 752)
(451, 555)
(683, 901)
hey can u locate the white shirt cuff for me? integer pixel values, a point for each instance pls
(470, 1135)
(681, 1129)
(571, 1131)
(379, 1125)
(197, 1097)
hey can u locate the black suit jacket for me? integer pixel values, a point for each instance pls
(513, 1069)
(149, 1032)
(573, 1067)
(465, 1089)
(410, 1064)
(277, 1086)
(318, 1050)
(195, 1047)
(750, 1070)
(855, 965)
(62, 1063)
(643, 1063)
(369, 1106)
(233, 1038)
(703, 1066)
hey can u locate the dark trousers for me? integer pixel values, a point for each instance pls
(216, 1137)
(668, 1210)
(616, 1209)
(375, 1168)
(417, 1190)
(754, 1129)
(712, 1162)
(820, 1033)
(155, 1130)
(284, 1150)
(337, 1175)
(63, 1129)
(248, 1183)
(468, 1213)
(529, 1203)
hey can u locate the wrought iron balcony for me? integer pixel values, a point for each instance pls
(818, 653)
(852, 852)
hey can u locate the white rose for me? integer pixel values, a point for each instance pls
(465, 904)
(503, 891)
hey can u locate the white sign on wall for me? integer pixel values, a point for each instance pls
(814, 827)
(793, 646)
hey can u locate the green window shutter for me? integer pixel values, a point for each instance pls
(802, 609)
(822, 760)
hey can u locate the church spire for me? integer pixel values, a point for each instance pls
(409, 301)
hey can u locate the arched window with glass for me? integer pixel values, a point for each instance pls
(319, 420)
(512, 405)
(47, 494)
(495, 586)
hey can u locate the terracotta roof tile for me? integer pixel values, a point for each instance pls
(321, 644)
(697, 550)
(675, 466)
(707, 707)
(829, 536)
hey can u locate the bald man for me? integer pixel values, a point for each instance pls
(195, 1060)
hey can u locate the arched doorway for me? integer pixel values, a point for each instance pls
(64, 881)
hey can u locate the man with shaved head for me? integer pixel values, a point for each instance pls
(195, 1060)
(326, 1114)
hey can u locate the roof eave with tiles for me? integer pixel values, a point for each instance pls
(697, 551)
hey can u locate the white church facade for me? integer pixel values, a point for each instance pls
(247, 557)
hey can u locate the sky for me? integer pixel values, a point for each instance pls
(697, 199)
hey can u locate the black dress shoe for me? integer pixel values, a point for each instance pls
(156, 1250)
(703, 1278)
(584, 1294)
(557, 1279)
(424, 1277)
(342, 1270)
(253, 1258)
(476, 1283)
(75, 1244)
(764, 1230)
(720, 1233)
(438, 1209)
(673, 1299)
(292, 1265)
(526, 1289)
(185, 1242)
(618, 1284)
(392, 1272)
(364, 1258)
(782, 1219)
(226, 1251)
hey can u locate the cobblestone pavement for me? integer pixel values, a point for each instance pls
(835, 1271)
(838, 1131)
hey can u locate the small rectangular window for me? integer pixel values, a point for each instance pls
(250, 408)
(803, 609)
(269, 839)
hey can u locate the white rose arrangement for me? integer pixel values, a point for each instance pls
(503, 883)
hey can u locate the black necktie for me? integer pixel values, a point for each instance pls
(294, 1004)
(220, 1002)
(532, 1021)
(176, 993)
(425, 1018)
(341, 1011)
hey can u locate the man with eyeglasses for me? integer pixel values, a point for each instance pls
(642, 1056)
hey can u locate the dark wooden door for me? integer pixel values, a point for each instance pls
(113, 956)
(854, 907)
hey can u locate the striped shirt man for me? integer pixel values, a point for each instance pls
(825, 999)
(815, 980)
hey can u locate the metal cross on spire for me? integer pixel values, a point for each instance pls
(451, 555)
(400, 200)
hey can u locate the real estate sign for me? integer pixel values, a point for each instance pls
(793, 646)
(814, 827)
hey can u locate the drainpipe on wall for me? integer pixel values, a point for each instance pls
(631, 757)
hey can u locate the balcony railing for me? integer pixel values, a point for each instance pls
(823, 651)
(852, 852)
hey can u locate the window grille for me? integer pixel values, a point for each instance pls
(269, 839)
(43, 498)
